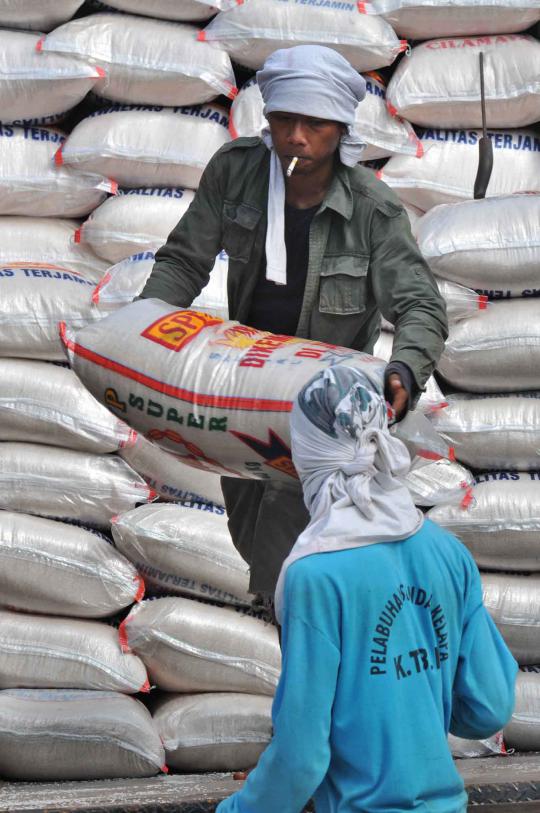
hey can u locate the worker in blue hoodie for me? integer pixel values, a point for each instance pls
(387, 645)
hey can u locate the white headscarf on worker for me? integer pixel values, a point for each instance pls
(309, 80)
(350, 466)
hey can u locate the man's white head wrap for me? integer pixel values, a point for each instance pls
(350, 467)
(310, 80)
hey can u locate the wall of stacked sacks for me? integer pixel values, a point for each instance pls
(127, 641)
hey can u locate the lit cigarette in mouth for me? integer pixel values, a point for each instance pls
(290, 168)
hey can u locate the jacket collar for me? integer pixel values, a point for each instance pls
(339, 197)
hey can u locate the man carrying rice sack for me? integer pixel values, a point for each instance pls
(386, 643)
(318, 248)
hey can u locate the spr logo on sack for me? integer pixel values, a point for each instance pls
(177, 329)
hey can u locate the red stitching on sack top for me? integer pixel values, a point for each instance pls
(99, 286)
(419, 147)
(232, 129)
(77, 235)
(39, 44)
(123, 636)
(139, 595)
(403, 46)
(391, 109)
(58, 157)
(467, 499)
(483, 302)
(452, 454)
(201, 36)
(378, 174)
(233, 92)
(62, 332)
(164, 769)
(100, 72)
(361, 8)
(114, 186)
(146, 686)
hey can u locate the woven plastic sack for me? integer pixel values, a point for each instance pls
(34, 301)
(188, 646)
(184, 549)
(141, 146)
(431, 482)
(66, 484)
(42, 652)
(491, 245)
(42, 242)
(383, 134)
(438, 84)
(468, 749)
(250, 32)
(52, 735)
(231, 411)
(447, 170)
(146, 61)
(497, 352)
(40, 16)
(31, 185)
(36, 88)
(500, 523)
(522, 732)
(62, 569)
(169, 9)
(126, 280)
(493, 432)
(512, 602)
(222, 731)
(169, 477)
(46, 403)
(137, 220)
(423, 19)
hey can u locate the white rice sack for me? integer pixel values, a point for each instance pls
(184, 550)
(43, 652)
(136, 220)
(222, 731)
(188, 646)
(169, 477)
(424, 19)
(42, 242)
(232, 411)
(512, 602)
(146, 61)
(431, 482)
(383, 134)
(31, 184)
(46, 403)
(447, 170)
(169, 9)
(141, 146)
(50, 735)
(66, 484)
(499, 351)
(491, 245)
(523, 730)
(41, 16)
(38, 89)
(493, 432)
(467, 749)
(34, 301)
(126, 280)
(414, 214)
(61, 569)
(250, 32)
(438, 84)
(501, 523)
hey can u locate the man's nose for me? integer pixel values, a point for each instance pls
(297, 134)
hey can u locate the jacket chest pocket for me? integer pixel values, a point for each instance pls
(343, 284)
(240, 223)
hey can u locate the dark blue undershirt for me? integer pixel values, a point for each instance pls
(277, 307)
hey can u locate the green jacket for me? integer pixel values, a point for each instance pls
(363, 259)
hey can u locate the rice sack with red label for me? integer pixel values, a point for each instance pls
(217, 392)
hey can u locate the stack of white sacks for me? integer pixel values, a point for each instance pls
(71, 472)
